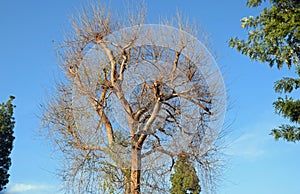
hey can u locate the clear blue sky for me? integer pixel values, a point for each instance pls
(256, 163)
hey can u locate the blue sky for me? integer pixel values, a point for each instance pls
(256, 163)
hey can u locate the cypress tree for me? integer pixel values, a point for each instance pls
(7, 123)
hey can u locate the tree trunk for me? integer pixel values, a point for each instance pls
(136, 170)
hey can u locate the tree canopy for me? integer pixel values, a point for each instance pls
(135, 96)
(274, 38)
(274, 35)
(7, 123)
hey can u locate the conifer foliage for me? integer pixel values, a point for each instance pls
(7, 123)
(185, 179)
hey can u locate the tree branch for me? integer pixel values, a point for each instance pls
(195, 102)
(143, 136)
(79, 144)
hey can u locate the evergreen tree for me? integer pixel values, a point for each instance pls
(274, 38)
(185, 179)
(7, 123)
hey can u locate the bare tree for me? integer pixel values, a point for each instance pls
(136, 98)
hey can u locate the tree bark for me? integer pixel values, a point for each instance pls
(136, 170)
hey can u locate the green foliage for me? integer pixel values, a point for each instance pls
(7, 124)
(288, 108)
(288, 132)
(185, 179)
(274, 35)
(287, 85)
(274, 38)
